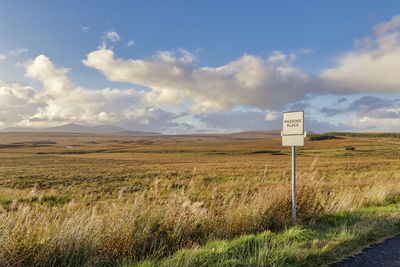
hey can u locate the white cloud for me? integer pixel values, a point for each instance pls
(16, 102)
(187, 57)
(271, 116)
(96, 107)
(248, 80)
(112, 36)
(267, 84)
(55, 80)
(2, 57)
(277, 56)
(86, 28)
(17, 52)
(130, 43)
(367, 113)
(61, 102)
(370, 124)
(387, 26)
(373, 67)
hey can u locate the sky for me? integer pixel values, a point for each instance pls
(200, 66)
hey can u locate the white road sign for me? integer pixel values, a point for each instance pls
(293, 123)
(293, 140)
(293, 135)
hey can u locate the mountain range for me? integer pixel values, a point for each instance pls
(76, 128)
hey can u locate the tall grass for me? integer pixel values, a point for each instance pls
(148, 226)
(115, 208)
(325, 240)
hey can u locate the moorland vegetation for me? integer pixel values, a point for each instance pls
(101, 200)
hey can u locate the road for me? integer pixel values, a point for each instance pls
(386, 253)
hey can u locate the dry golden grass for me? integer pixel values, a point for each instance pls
(110, 200)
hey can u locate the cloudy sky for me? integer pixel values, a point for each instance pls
(200, 66)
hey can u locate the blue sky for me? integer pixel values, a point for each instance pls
(200, 66)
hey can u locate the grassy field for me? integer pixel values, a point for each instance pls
(317, 243)
(73, 199)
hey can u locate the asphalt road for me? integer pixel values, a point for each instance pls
(386, 253)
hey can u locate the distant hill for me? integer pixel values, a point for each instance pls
(76, 128)
(248, 135)
(127, 133)
(118, 131)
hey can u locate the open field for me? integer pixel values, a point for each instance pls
(73, 199)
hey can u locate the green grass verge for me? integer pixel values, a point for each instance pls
(317, 243)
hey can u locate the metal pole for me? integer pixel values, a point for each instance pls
(294, 182)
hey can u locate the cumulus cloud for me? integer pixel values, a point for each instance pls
(367, 106)
(370, 124)
(55, 80)
(174, 78)
(130, 43)
(375, 107)
(367, 113)
(372, 67)
(16, 102)
(111, 36)
(387, 26)
(248, 80)
(277, 56)
(61, 102)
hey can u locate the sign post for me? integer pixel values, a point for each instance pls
(294, 183)
(293, 135)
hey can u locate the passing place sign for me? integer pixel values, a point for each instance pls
(293, 123)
